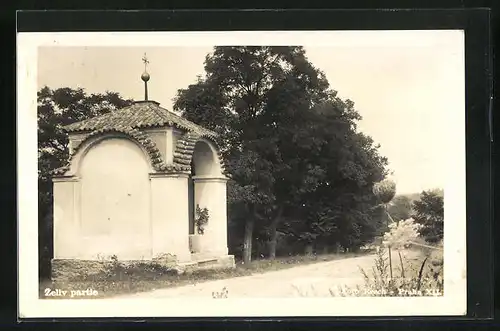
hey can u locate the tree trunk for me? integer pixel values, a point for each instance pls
(309, 249)
(274, 234)
(273, 243)
(337, 248)
(247, 241)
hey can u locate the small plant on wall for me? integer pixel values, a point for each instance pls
(201, 219)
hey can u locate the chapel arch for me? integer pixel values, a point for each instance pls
(205, 161)
(88, 144)
(207, 189)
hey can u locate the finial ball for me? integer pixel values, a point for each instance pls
(145, 76)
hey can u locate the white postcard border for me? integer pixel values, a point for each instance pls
(452, 303)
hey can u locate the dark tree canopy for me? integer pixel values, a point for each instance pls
(429, 212)
(298, 164)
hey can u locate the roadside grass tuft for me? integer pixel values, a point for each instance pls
(417, 272)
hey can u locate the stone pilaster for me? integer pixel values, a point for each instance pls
(66, 224)
(211, 193)
(170, 215)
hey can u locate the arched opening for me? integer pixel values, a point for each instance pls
(115, 199)
(203, 163)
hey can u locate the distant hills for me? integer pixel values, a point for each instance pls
(416, 196)
(410, 196)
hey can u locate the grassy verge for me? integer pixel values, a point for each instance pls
(415, 272)
(116, 282)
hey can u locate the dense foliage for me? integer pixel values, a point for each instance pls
(300, 169)
(401, 234)
(429, 212)
(201, 219)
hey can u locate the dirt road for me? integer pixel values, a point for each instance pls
(310, 280)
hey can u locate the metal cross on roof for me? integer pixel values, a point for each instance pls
(145, 61)
(145, 76)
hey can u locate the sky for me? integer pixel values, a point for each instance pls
(403, 90)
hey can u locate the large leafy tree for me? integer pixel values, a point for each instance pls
(342, 208)
(286, 140)
(429, 212)
(57, 108)
(232, 99)
(286, 137)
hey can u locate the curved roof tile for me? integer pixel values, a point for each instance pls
(185, 146)
(141, 114)
(153, 152)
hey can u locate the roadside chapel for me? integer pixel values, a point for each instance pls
(131, 187)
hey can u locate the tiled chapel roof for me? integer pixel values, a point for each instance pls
(145, 114)
(141, 114)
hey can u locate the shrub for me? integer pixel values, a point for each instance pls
(423, 277)
(201, 219)
(401, 234)
(429, 211)
(115, 270)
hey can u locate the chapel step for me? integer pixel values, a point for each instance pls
(199, 257)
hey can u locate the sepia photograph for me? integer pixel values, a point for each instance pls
(239, 174)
